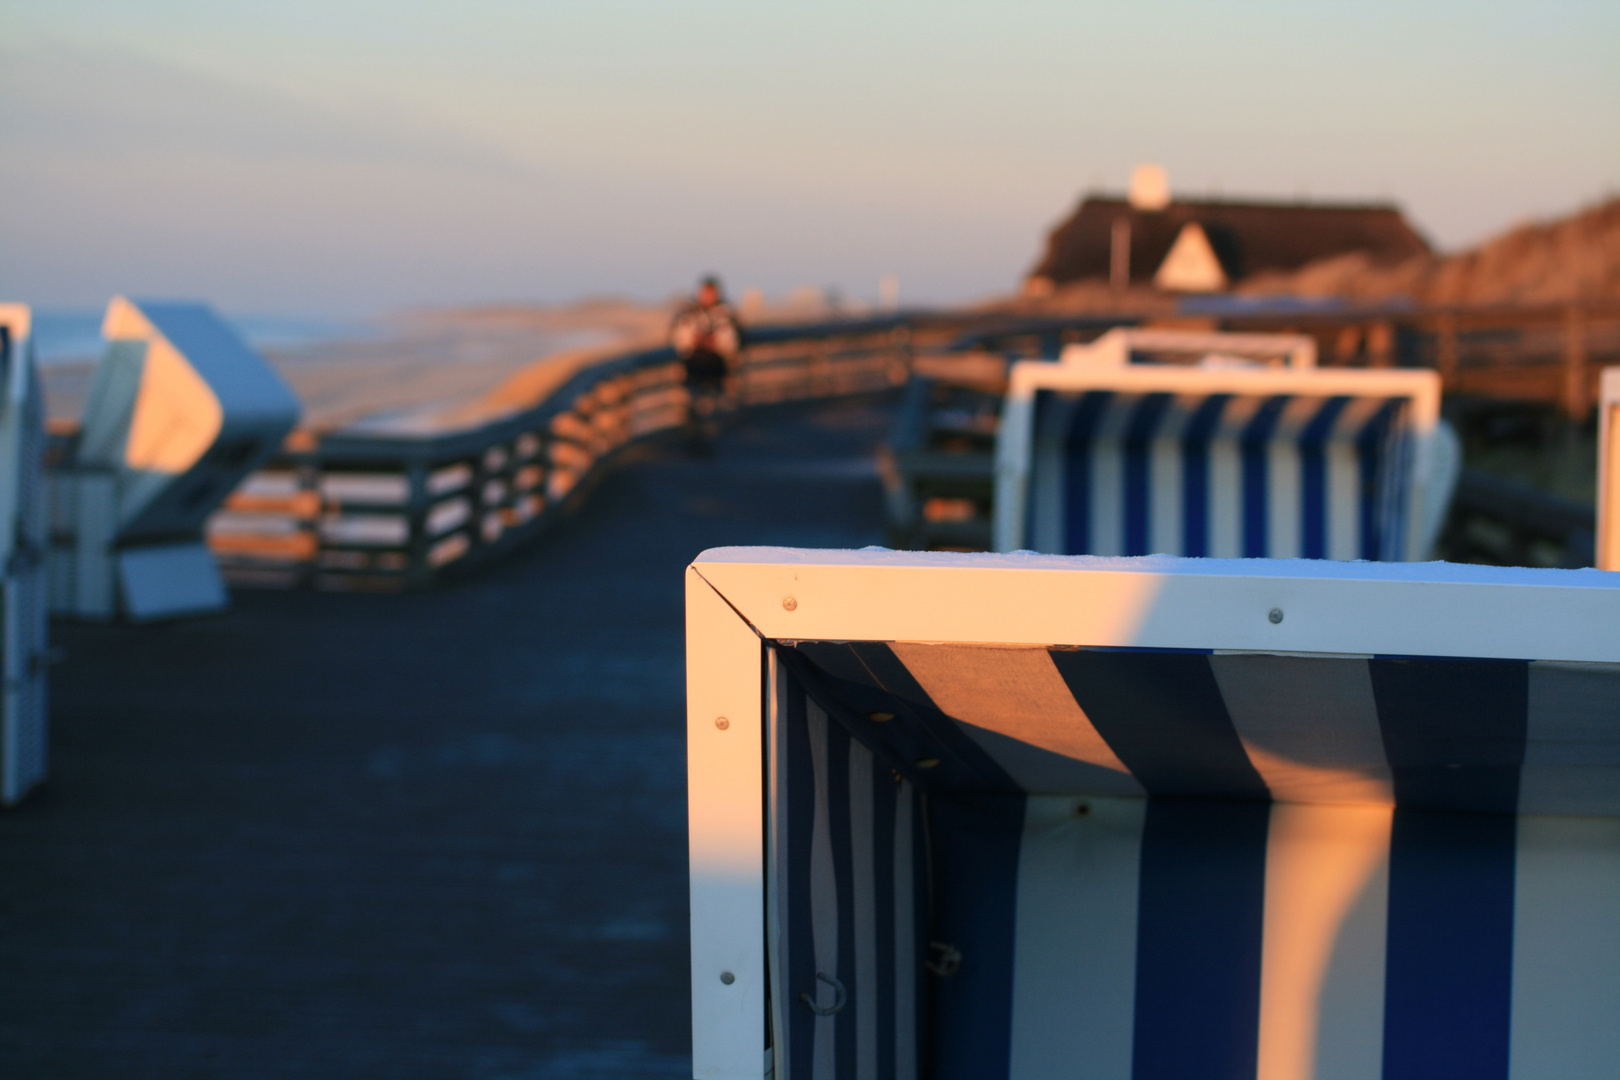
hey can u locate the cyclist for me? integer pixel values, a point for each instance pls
(707, 338)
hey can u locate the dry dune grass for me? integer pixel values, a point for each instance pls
(1570, 259)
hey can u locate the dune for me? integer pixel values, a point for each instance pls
(1565, 260)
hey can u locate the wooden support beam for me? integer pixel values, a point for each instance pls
(1347, 345)
(1381, 344)
(1446, 348)
(1576, 396)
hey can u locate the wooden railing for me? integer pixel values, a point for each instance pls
(938, 463)
(364, 511)
(1545, 353)
(1505, 523)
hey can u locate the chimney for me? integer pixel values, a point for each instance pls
(1150, 188)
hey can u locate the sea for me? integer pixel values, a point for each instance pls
(68, 336)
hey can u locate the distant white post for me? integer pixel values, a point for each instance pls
(889, 293)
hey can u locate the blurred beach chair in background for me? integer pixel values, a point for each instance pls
(179, 411)
(1039, 816)
(23, 615)
(938, 462)
(1228, 457)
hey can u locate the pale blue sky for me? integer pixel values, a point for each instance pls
(348, 156)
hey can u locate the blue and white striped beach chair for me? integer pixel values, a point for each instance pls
(1141, 819)
(1222, 461)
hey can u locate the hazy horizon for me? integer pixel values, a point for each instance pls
(347, 159)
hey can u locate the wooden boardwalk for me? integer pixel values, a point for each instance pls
(436, 835)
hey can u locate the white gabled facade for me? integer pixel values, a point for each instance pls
(1191, 265)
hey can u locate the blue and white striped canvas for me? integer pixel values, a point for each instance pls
(1223, 475)
(851, 886)
(1159, 864)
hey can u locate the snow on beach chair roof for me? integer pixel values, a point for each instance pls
(1163, 817)
(1227, 461)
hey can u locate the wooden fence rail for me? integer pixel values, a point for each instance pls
(1545, 353)
(365, 511)
(368, 511)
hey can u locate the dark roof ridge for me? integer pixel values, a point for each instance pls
(1247, 237)
(1248, 204)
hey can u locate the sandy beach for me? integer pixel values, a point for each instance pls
(439, 369)
(431, 370)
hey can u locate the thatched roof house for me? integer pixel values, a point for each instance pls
(1209, 245)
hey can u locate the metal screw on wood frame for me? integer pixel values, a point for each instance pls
(722, 723)
(1275, 615)
(788, 603)
(727, 977)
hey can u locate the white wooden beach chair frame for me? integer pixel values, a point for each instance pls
(181, 409)
(1115, 347)
(741, 602)
(23, 587)
(1608, 500)
(1434, 459)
